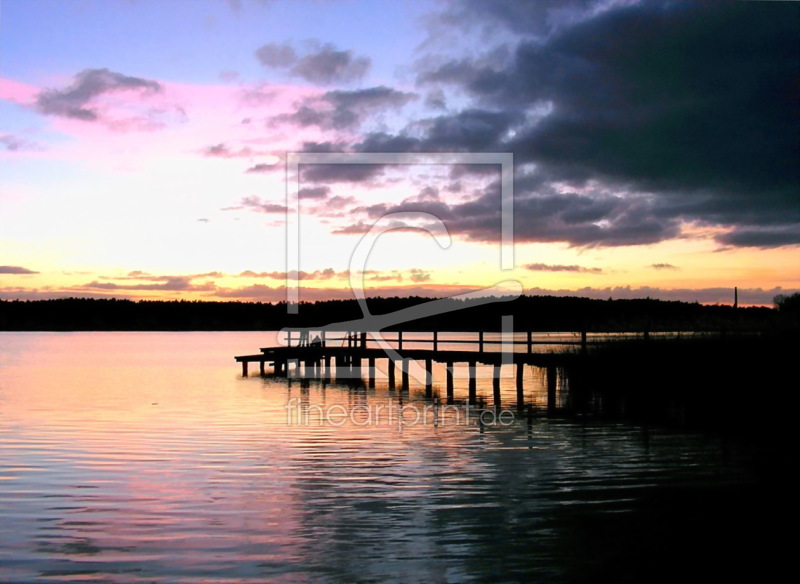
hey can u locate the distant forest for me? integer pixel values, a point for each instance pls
(535, 313)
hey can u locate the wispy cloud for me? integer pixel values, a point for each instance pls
(78, 100)
(222, 150)
(16, 270)
(256, 204)
(320, 192)
(341, 110)
(176, 284)
(562, 268)
(322, 64)
(263, 167)
(15, 143)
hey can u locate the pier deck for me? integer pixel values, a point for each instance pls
(345, 355)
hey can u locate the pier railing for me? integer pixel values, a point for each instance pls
(321, 353)
(478, 340)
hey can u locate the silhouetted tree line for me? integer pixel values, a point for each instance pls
(539, 313)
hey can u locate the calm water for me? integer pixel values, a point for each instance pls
(144, 457)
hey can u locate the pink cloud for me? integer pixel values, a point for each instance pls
(20, 93)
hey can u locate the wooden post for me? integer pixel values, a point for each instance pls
(428, 378)
(355, 366)
(472, 393)
(244, 368)
(326, 373)
(340, 363)
(399, 340)
(322, 341)
(480, 342)
(552, 382)
(449, 367)
(391, 367)
(405, 374)
(520, 393)
(530, 342)
(364, 340)
(435, 341)
(371, 372)
(261, 367)
(496, 384)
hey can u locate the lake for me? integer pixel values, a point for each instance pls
(146, 457)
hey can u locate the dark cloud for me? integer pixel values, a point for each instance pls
(329, 65)
(538, 18)
(588, 220)
(341, 109)
(436, 99)
(320, 192)
(764, 237)
(16, 270)
(276, 55)
(330, 146)
(562, 268)
(337, 173)
(257, 204)
(337, 203)
(663, 266)
(472, 130)
(75, 101)
(263, 167)
(361, 227)
(428, 194)
(323, 65)
(222, 150)
(438, 209)
(689, 108)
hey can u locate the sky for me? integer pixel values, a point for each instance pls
(143, 148)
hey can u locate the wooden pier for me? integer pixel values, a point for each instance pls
(344, 355)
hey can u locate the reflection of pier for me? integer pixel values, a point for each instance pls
(345, 356)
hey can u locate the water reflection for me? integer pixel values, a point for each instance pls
(163, 465)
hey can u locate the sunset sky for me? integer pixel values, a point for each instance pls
(143, 146)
